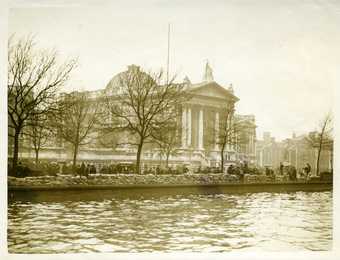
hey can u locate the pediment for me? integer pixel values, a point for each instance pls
(212, 90)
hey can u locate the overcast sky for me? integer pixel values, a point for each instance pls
(280, 56)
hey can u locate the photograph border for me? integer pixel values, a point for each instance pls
(333, 254)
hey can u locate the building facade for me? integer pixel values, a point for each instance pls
(199, 126)
(294, 151)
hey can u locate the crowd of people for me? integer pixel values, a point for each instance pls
(240, 169)
(294, 173)
(289, 171)
(85, 169)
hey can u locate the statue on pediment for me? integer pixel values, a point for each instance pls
(231, 89)
(208, 73)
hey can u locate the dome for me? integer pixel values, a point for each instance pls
(115, 84)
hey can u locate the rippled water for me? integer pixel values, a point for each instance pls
(137, 221)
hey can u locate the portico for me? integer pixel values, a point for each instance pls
(200, 122)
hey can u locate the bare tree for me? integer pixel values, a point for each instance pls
(110, 134)
(34, 78)
(39, 132)
(224, 133)
(167, 139)
(108, 138)
(76, 119)
(231, 131)
(322, 138)
(140, 103)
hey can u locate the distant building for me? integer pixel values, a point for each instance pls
(268, 151)
(293, 151)
(245, 149)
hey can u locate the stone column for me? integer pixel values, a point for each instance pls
(189, 126)
(184, 127)
(200, 130)
(296, 157)
(252, 143)
(217, 130)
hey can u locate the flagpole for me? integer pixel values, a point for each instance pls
(168, 57)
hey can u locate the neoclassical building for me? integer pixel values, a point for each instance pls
(199, 128)
(200, 122)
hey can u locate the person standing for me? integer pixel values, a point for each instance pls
(19, 172)
(230, 170)
(87, 170)
(307, 169)
(267, 171)
(281, 168)
(82, 169)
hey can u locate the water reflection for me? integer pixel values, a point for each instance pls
(126, 221)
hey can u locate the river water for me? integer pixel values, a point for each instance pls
(155, 221)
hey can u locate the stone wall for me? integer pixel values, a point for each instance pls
(122, 179)
(65, 181)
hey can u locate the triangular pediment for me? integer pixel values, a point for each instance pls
(211, 89)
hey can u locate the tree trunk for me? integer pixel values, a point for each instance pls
(222, 159)
(319, 153)
(36, 156)
(139, 153)
(318, 161)
(160, 156)
(75, 153)
(75, 150)
(167, 160)
(15, 151)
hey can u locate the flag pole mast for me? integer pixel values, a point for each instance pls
(168, 57)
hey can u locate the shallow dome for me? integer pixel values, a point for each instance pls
(115, 84)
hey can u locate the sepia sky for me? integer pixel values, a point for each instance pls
(280, 56)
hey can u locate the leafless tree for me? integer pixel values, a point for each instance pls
(141, 104)
(39, 132)
(76, 119)
(322, 138)
(34, 78)
(231, 131)
(167, 139)
(108, 138)
(110, 134)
